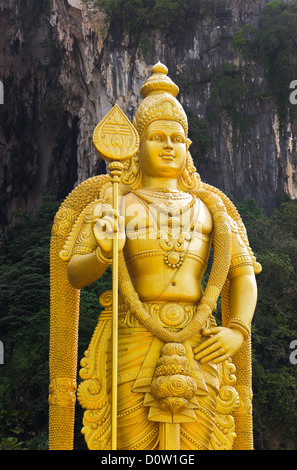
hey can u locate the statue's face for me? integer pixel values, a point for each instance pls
(163, 149)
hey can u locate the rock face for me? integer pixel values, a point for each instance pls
(64, 67)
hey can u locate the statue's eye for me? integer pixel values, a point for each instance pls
(156, 138)
(178, 139)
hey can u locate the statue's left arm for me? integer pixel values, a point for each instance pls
(242, 298)
(223, 342)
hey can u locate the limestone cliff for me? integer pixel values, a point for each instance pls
(63, 67)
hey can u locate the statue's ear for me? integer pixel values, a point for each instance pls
(189, 142)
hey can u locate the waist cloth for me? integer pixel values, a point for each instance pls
(138, 353)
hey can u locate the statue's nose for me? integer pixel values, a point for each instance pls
(168, 143)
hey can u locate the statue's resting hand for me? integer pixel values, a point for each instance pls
(108, 222)
(221, 343)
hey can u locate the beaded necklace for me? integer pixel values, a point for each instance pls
(160, 206)
(163, 193)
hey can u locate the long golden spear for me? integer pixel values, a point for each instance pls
(115, 140)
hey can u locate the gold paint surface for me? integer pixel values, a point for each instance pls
(158, 373)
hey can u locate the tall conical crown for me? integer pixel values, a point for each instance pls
(159, 82)
(159, 93)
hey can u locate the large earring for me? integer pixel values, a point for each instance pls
(132, 175)
(189, 179)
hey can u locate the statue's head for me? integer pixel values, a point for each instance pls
(160, 117)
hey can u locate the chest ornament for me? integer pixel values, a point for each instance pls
(177, 232)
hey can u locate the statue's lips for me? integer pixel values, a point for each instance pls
(167, 158)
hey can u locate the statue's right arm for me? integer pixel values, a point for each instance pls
(92, 252)
(83, 270)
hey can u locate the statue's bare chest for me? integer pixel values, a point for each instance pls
(175, 225)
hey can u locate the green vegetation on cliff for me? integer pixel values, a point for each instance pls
(273, 44)
(139, 17)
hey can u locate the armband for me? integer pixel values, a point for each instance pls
(241, 326)
(101, 258)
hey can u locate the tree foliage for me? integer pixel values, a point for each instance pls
(274, 241)
(24, 328)
(137, 17)
(24, 322)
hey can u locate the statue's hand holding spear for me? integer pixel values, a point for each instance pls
(109, 222)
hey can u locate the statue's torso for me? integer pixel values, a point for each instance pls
(167, 255)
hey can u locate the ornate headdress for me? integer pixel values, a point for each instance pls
(159, 93)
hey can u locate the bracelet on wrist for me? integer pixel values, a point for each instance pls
(101, 258)
(241, 326)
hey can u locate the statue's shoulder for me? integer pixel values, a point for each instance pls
(216, 200)
(237, 226)
(205, 217)
(92, 210)
(130, 198)
(213, 195)
(79, 208)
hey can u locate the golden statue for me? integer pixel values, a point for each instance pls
(159, 373)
